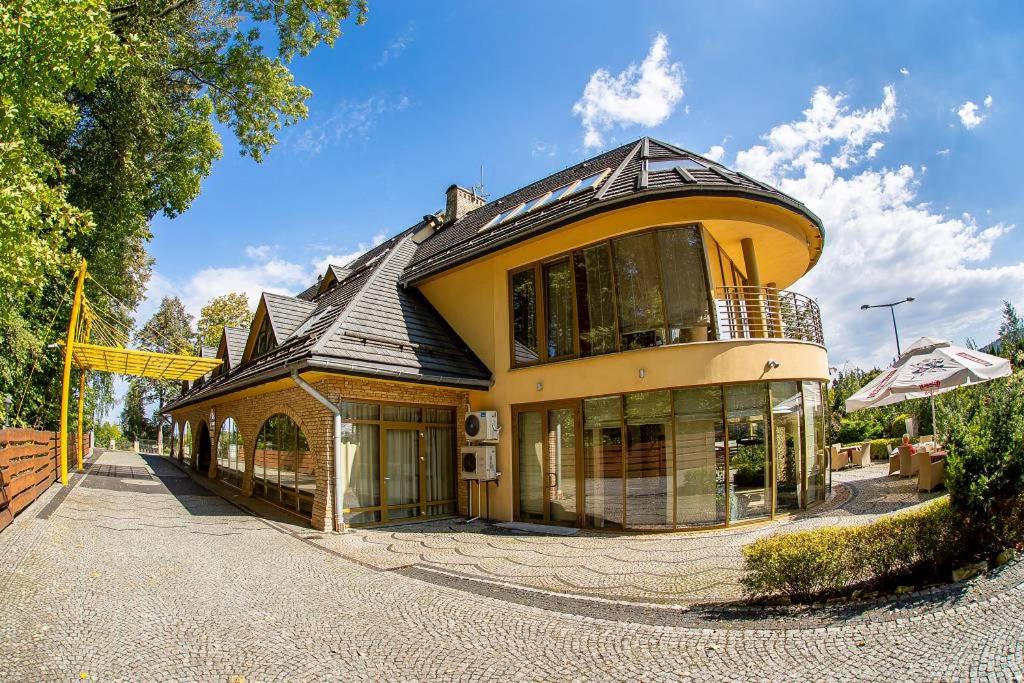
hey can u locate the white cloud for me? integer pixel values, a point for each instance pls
(943, 152)
(716, 153)
(397, 46)
(904, 71)
(543, 149)
(827, 123)
(969, 116)
(988, 102)
(340, 258)
(350, 120)
(643, 95)
(882, 244)
(874, 149)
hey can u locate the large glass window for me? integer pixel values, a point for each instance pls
(562, 464)
(699, 438)
(787, 429)
(686, 287)
(638, 291)
(531, 466)
(595, 300)
(602, 454)
(399, 461)
(524, 317)
(176, 442)
(747, 421)
(186, 443)
(814, 441)
(558, 308)
(648, 460)
(641, 313)
(230, 453)
(284, 470)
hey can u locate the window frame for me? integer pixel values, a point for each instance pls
(540, 295)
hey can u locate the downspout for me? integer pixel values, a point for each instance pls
(336, 506)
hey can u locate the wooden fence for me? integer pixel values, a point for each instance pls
(28, 466)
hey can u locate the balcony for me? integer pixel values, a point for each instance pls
(749, 312)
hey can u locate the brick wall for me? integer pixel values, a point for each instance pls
(316, 423)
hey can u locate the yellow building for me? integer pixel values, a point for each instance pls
(627, 320)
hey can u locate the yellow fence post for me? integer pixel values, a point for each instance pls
(69, 345)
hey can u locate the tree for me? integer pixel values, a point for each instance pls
(107, 116)
(228, 310)
(134, 423)
(1011, 335)
(168, 331)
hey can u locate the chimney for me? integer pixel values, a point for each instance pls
(461, 201)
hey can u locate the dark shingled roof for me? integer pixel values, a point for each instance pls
(368, 325)
(470, 237)
(235, 338)
(208, 351)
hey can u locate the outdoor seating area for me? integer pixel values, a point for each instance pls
(852, 455)
(926, 459)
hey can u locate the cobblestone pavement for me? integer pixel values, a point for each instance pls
(678, 568)
(139, 574)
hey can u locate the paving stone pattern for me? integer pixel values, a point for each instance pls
(122, 583)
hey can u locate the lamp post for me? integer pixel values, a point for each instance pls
(892, 311)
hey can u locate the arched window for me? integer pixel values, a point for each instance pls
(186, 443)
(284, 471)
(175, 440)
(230, 453)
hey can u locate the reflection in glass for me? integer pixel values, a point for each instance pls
(562, 464)
(746, 407)
(602, 458)
(350, 410)
(362, 461)
(700, 457)
(648, 460)
(685, 284)
(814, 441)
(787, 419)
(186, 443)
(284, 470)
(558, 308)
(524, 317)
(641, 316)
(440, 469)
(230, 453)
(531, 467)
(595, 303)
(402, 480)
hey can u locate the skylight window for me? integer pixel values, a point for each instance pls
(672, 164)
(588, 183)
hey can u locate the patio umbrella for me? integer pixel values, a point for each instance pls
(929, 367)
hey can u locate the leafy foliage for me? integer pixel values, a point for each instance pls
(229, 310)
(107, 116)
(925, 542)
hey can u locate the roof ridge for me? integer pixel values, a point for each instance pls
(344, 315)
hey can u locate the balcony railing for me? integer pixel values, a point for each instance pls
(767, 313)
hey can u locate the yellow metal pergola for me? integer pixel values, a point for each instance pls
(79, 350)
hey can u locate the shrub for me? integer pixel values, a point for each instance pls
(821, 562)
(983, 428)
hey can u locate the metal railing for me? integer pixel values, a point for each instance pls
(748, 312)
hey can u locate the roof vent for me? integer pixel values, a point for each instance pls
(461, 201)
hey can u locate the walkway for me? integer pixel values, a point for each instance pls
(139, 574)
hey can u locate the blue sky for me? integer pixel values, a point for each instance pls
(899, 125)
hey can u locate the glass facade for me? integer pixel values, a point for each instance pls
(230, 454)
(639, 291)
(399, 462)
(284, 471)
(673, 458)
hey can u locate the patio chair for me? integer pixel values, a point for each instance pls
(894, 462)
(927, 438)
(908, 464)
(862, 456)
(931, 474)
(839, 459)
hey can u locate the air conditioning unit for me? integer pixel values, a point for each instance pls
(479, 463)
(482, 425)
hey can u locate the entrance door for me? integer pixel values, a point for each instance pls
(547, 444)
(203, 449)
(402, 474)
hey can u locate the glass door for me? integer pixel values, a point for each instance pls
(549, 488)
(402, 473)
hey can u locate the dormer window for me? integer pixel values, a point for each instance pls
(265, 340)
(685, 163)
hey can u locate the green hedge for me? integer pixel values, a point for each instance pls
(822, 562)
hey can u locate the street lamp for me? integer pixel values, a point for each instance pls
(892, 310)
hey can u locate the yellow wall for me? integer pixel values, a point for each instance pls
(474, 300)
